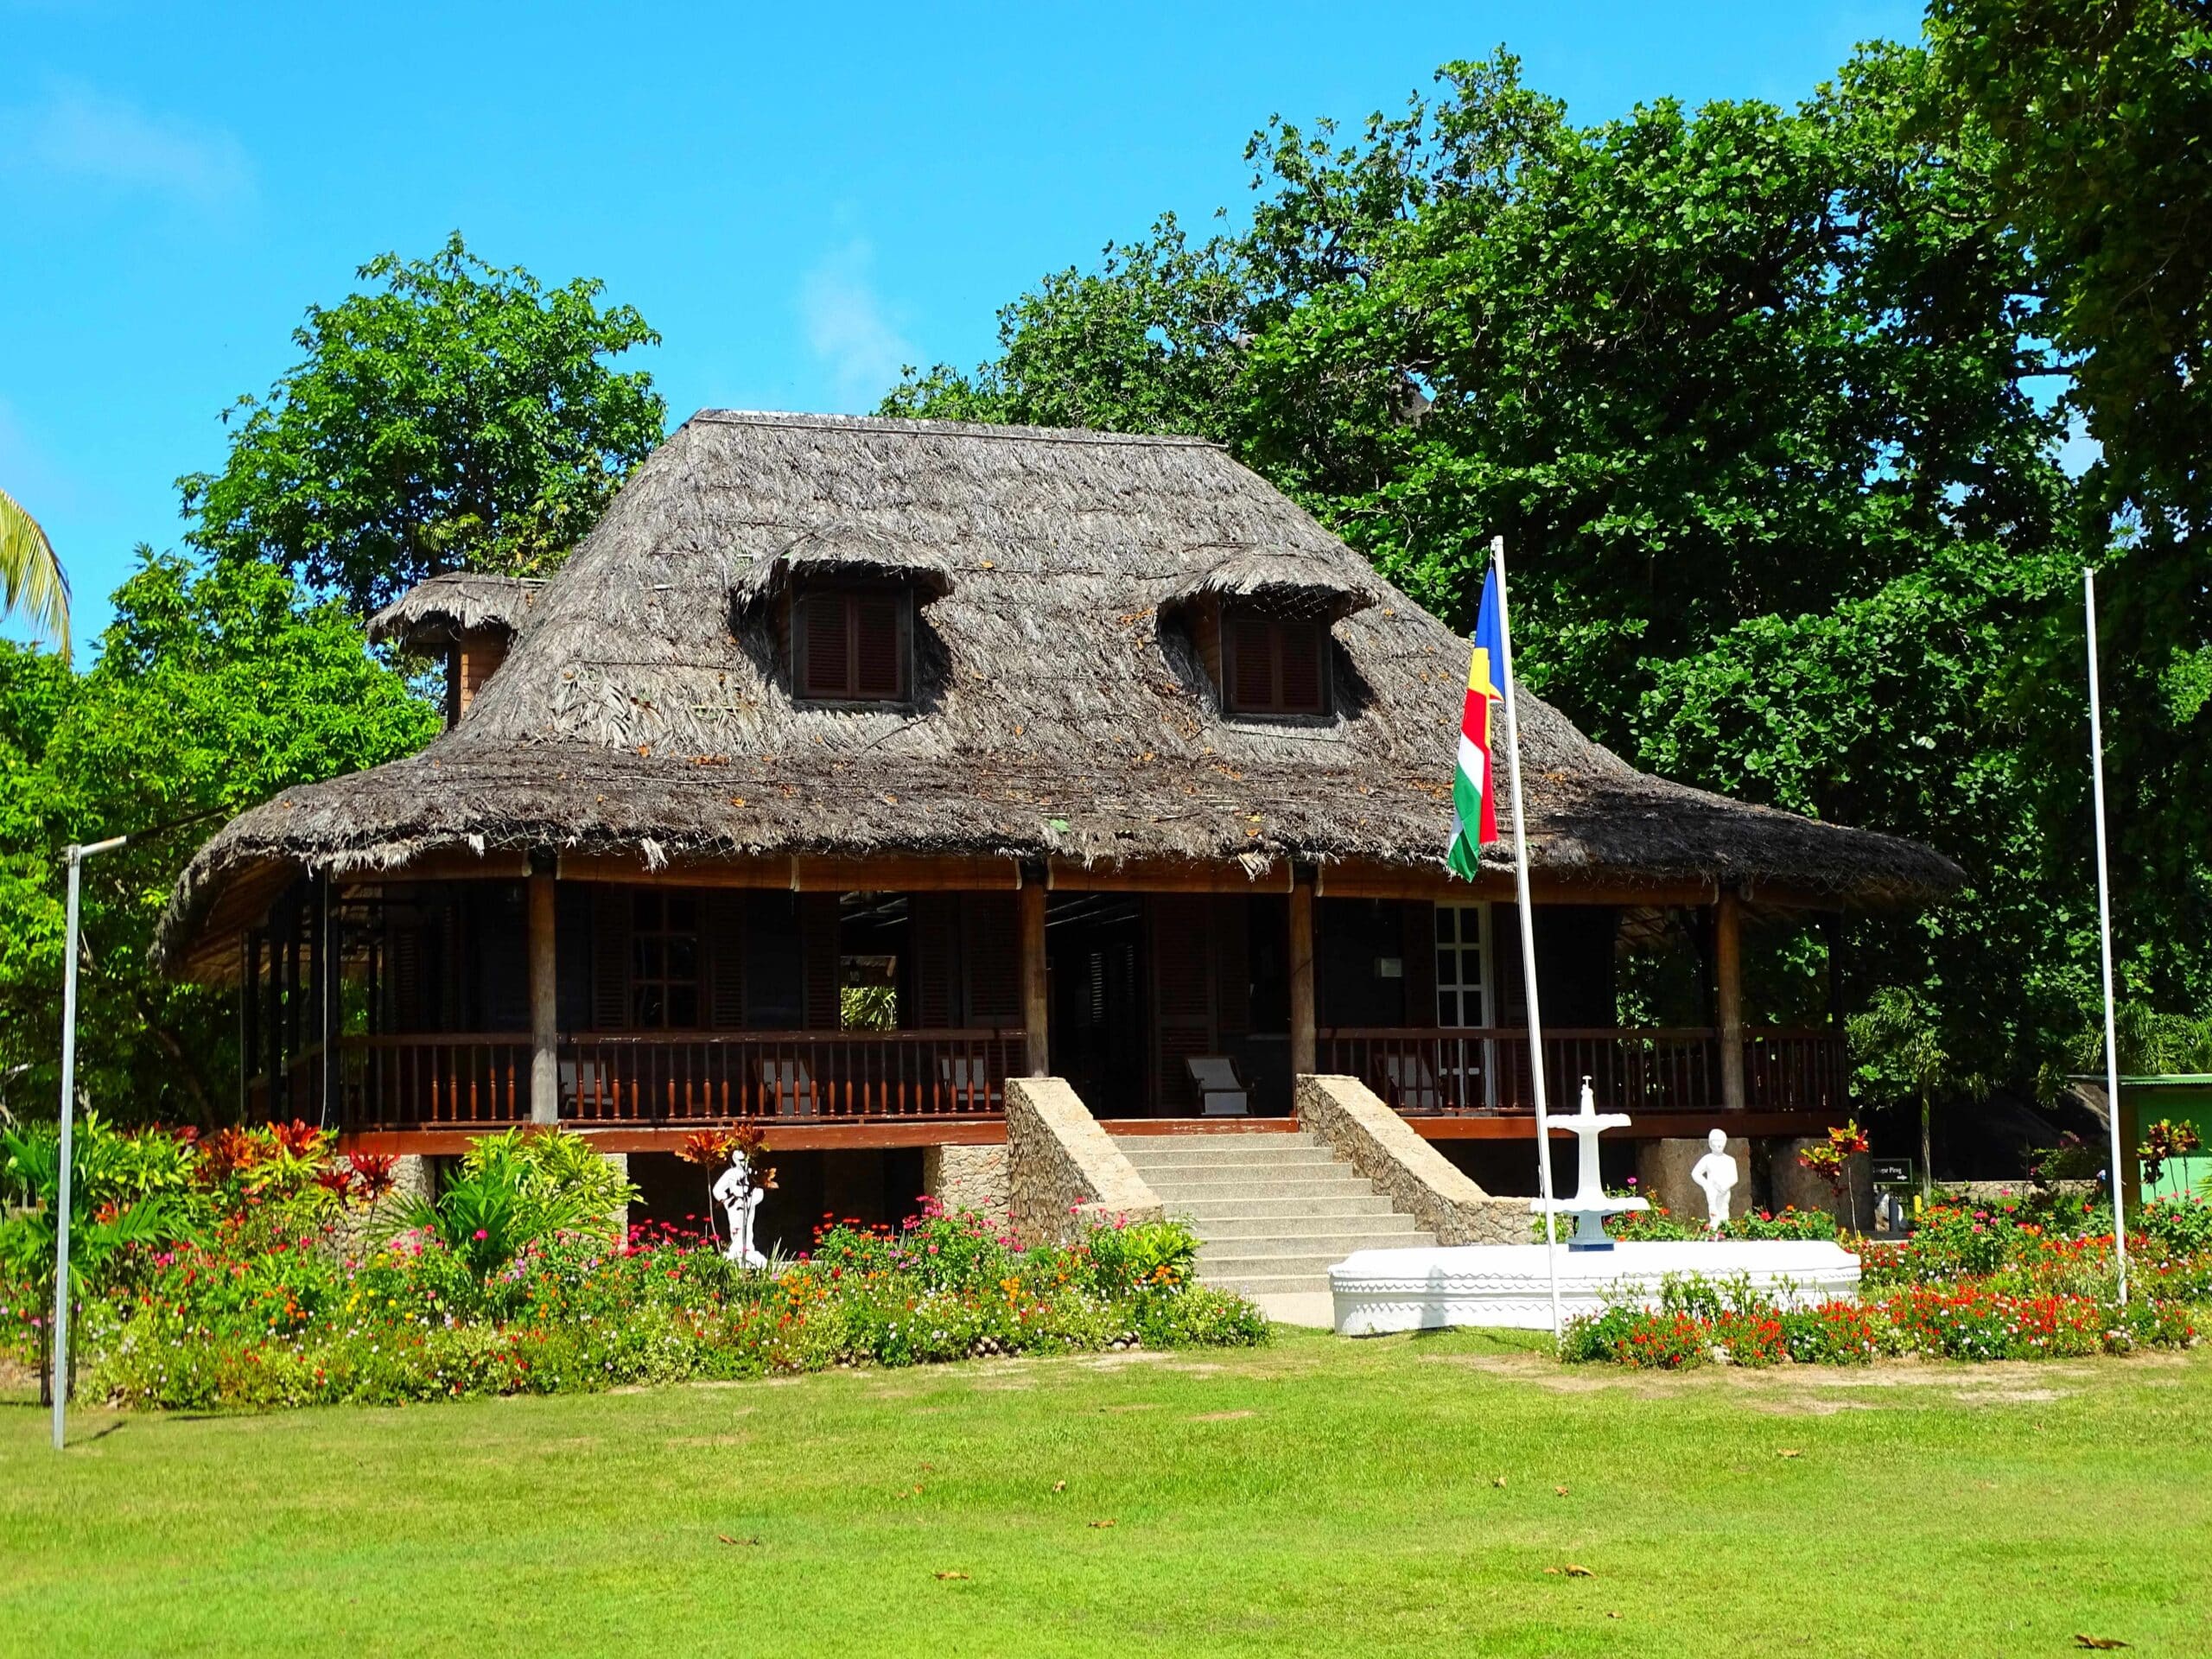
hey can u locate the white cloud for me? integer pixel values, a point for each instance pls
(850, 330)
(77, 133)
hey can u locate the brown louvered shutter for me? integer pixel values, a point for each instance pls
(404, 978)
(1251, 664)
(1232, 938)
(931, 942)
(879, 654)
(828, 668)
(1298, 654)
(610, 958)
(992, 935)
(722, 949)
(1419, 947)
(818, 932)
(1182, 994)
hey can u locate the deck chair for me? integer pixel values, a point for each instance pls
(788, 1087)
(1411, 1081)
(1222, 1093)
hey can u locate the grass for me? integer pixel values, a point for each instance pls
(1396, 1496)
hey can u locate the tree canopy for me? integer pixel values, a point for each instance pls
(1757, 397)
(214, 687)
(459, 416)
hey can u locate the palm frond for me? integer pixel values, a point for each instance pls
(32, 580)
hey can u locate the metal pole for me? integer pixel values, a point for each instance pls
(2104, 940)
(58, 1348)
(75, 857)
(1527, 931)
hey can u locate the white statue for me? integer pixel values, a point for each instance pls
(739, 1195)
(1715, 1175)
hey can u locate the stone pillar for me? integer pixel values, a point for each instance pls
(621, 1162)
(967, 1178)
(1304, 1045)
(1662, 1174)
(1036, 1003)
(544, 1018)
(1728, 996)
(1798, 1188)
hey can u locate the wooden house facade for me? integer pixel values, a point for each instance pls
(852, 766)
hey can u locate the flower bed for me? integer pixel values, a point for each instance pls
(288, 1277)
(2031, 1277)
(415, 1322)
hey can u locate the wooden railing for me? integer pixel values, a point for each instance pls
(655, 1077)
(1797, 1070)
(432, 1081)
(1421, 1072)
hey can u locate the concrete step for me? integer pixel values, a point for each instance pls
(1259, 1185)
(1149, 1150)
(1367, 1223)
(1272, 1207)
(1334, 1246)
(1303, 1165)
(1227, 1269)
(1271, 1284)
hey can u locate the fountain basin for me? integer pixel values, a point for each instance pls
(1507, 1286)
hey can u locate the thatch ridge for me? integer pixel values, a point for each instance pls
(1061, 706)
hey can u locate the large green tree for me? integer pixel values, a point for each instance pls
(1747, 389)
(2099, 117)
(459, 416)
(214, 687)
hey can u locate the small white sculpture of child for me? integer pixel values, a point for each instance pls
(1715, 1175)
(739, 1197)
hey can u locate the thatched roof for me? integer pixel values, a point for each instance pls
(435, 611)
(643, 704)
(1284, 583)
(853, 553)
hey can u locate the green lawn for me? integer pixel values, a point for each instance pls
(1397, 1496)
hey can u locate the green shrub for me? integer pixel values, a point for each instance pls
(1150, 1255)
(1788, 1222)
(516, 1190)
(420, 1319)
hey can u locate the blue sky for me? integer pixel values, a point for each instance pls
(799, 198)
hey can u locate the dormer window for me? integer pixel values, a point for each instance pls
(1274, 666)
(853, 645)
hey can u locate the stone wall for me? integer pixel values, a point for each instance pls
(1064, 1175)
(1418, 1180)
(969, 1178)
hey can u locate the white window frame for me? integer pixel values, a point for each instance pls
(1483, 910)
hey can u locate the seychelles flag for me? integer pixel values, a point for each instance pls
(1474, 786)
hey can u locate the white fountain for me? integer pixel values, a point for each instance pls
(1510, 1284)
(1591, 1204)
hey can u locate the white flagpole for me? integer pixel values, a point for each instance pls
(2104, 938)
(1527, 928)
(59, 1348)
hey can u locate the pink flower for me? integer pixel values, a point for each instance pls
(480, 1233)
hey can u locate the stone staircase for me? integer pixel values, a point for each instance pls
(1272, 1211)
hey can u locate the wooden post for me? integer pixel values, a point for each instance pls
(1036, 1004)
(1728, 995)
(544, 1003)
(1304, 1046)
